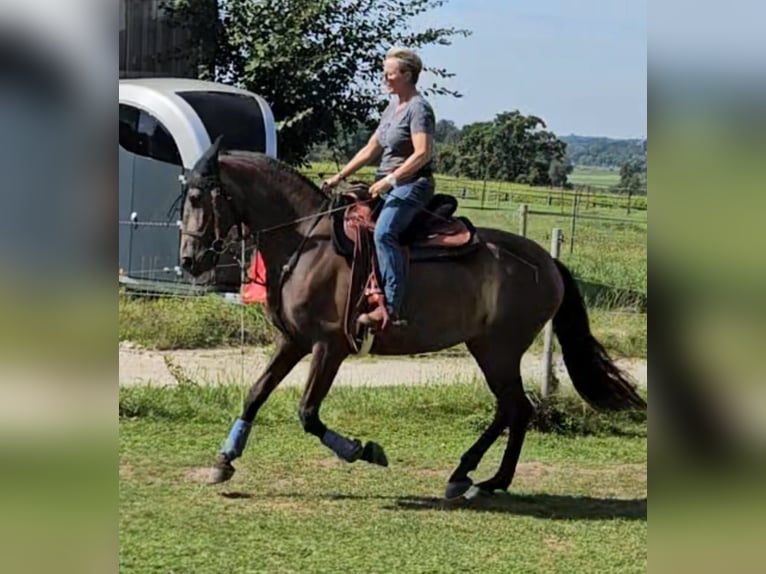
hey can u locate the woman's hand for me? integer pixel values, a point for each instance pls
(333, 181)
(380, 187)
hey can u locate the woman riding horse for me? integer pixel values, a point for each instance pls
(495, 299)
(404, 138)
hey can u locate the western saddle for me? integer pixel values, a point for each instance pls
(434, 235)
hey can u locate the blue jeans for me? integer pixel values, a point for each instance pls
(400, 206)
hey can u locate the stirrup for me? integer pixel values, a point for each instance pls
(376, 319)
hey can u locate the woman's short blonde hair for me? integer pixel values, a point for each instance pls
(409, 61)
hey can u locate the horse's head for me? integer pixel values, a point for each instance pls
(207, 215)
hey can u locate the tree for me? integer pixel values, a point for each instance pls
(604, 152)
(558, 172)
(317, 62)
(349, 140)
(472, 150)
(512, 147)
(446, 132)
(446, 159)
(631, 178)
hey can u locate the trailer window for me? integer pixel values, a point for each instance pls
(143, 134)
(238, 117)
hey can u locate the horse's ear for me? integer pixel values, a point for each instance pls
(207, 165)
(215, 149)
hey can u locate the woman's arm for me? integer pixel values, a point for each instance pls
(366, 155)
(422, 144)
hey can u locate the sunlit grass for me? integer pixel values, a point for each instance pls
(578, 503)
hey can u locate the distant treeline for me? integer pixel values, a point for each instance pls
(605, 152)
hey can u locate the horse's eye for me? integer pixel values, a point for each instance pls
(195, 197)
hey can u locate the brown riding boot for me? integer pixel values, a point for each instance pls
(376, 319)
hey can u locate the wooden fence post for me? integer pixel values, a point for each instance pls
(548, 385)
(523, 216)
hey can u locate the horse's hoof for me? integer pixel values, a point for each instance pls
(489, 488)
(221, 472)
(374, 454)
(458, 488)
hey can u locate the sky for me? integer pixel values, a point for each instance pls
(580, 65)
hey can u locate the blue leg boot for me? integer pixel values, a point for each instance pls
(232, 449)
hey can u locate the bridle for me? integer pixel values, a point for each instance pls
(219, 244)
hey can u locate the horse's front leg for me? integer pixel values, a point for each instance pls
(284, 359)
(326, 361)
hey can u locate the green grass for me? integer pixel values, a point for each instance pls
(578, 502)
(191, 322)
(594, 176)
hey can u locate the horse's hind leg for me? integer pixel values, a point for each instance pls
(499, 369)
(284, 359)
(513, 410)
(326, 361)
(459, 481)
(521, 411)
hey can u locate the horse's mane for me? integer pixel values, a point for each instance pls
(272, 163)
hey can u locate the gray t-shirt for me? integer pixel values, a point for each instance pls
(395, 131)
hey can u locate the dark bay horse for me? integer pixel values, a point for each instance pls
(495, 300)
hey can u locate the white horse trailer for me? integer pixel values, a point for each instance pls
(165, 126)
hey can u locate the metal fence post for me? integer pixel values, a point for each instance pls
(523, 216)
(549, 383)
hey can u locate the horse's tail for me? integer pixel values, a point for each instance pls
(594, 375)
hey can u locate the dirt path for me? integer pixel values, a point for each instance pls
(140, 366)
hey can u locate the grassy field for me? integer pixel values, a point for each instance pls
(594, 176)
(191, 322)
(578, 502)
